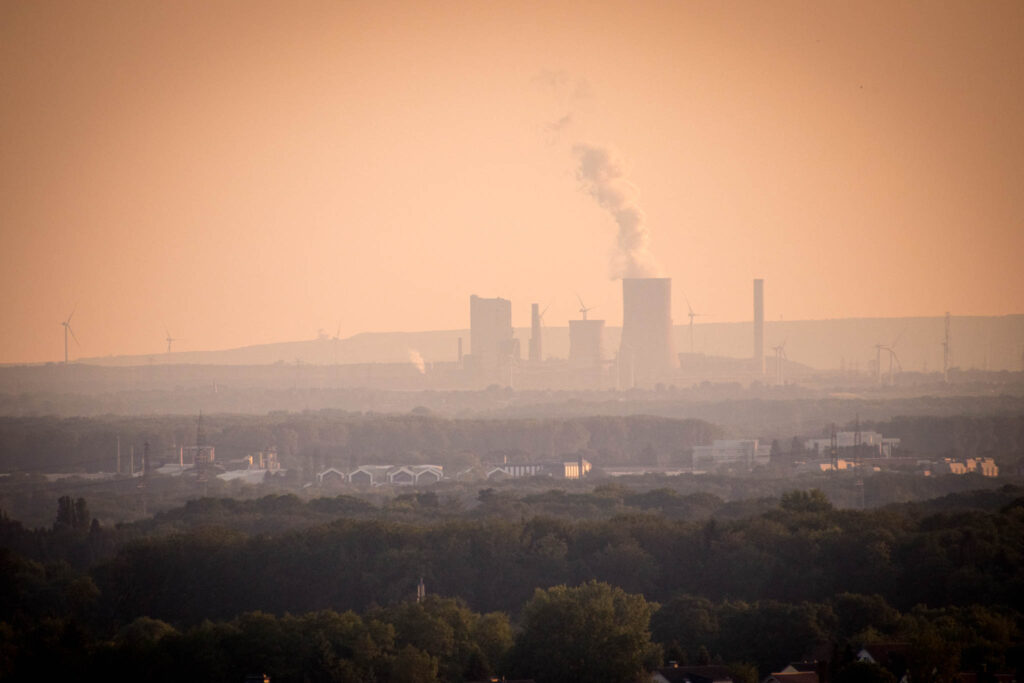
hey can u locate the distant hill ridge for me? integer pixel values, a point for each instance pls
(993, 343)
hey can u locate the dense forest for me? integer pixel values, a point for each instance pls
(197, 593)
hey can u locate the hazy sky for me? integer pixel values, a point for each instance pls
(252, 172)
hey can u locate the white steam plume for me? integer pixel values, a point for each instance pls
(417, 359)
(601, 174)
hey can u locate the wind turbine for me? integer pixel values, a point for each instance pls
(780, 355)
(583, 307)
(169, 340)
(894, 360)
(68, 330)
(692, 315)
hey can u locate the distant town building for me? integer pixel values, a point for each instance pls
(731, 452)
(568, 469)
(380, 475)
(986, 467)
(196, 455)
(872, 441)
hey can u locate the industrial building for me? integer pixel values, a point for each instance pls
(731, 452)
(872, 441)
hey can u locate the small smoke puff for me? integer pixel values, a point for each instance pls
(564, 94)
(602, 176)
(417, 359)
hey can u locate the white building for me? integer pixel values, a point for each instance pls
(723, 452)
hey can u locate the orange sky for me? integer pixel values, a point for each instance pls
(252, 172)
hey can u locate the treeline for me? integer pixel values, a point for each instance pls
(436, 640)
(337, 600)
(315, 440)
(802, 550)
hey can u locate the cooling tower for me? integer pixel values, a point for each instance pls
(647, 347)
(759, 326)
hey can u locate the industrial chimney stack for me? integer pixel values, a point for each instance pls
(759, 326)
(535, 338)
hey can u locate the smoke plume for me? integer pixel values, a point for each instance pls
(417, 359)
(602, 176)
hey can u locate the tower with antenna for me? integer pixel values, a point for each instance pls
(833, 450)
(536, 333)
(946, 352)
(759, 326)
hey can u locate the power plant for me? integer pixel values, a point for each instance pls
(646, 352)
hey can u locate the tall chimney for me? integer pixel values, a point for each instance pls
(647, 328)
(759, 326)
(535, 338)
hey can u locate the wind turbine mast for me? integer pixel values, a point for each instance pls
(68, 330)
(692, 315)
(780, 356)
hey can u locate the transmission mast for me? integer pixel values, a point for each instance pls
(834, 449)
(945, 353)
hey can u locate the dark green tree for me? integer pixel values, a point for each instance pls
(593, 632)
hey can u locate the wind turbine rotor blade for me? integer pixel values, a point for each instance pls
(73, 335)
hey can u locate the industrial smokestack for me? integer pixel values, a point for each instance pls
(759, 326)
(535, 338)
(647, 328)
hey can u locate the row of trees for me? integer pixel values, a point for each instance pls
(798, 579)
(802, 550)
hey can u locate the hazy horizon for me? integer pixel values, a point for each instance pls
(248, 173)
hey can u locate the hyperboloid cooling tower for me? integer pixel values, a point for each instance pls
(647, 352)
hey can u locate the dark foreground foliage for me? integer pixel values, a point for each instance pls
(335, 602)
